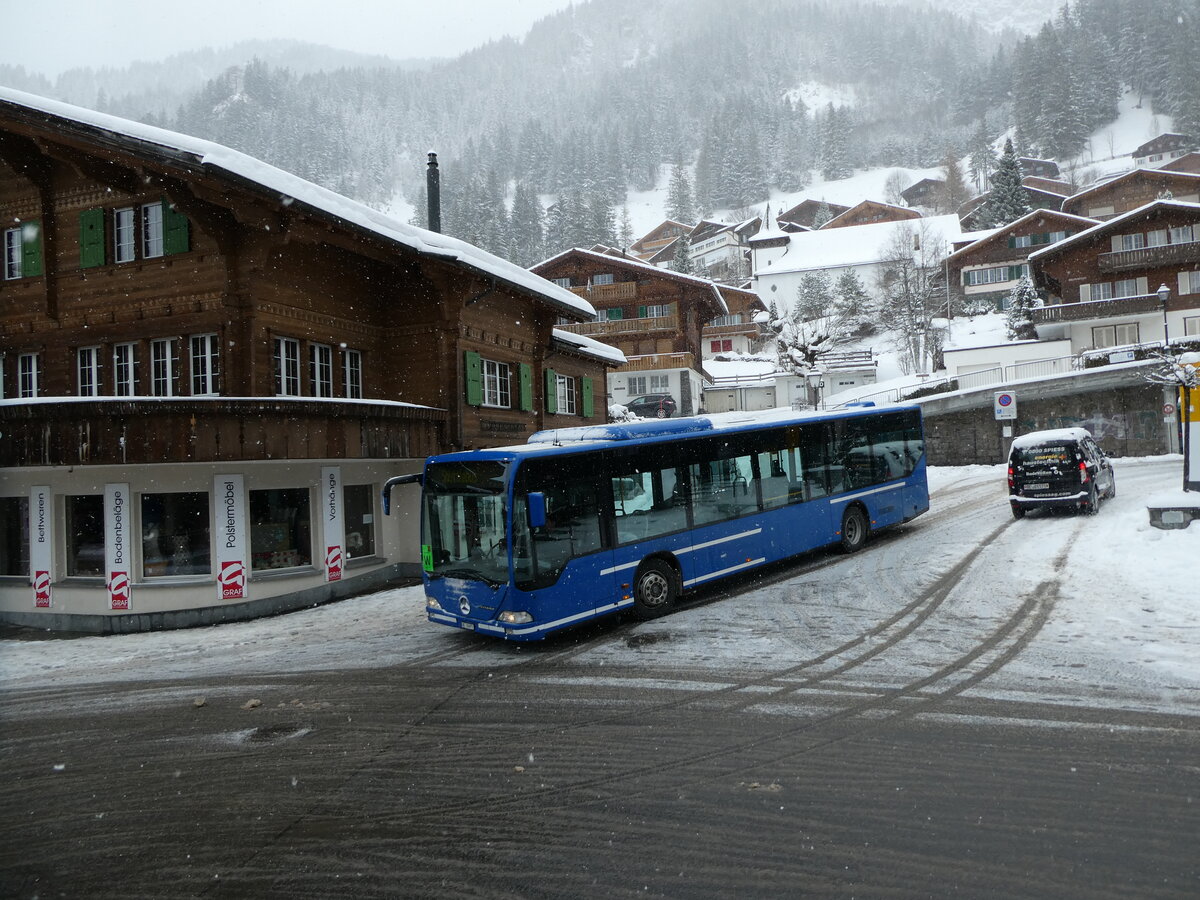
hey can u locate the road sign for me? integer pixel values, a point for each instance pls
(1005, 406)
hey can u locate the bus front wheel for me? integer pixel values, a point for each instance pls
(654, 589)
(854, 529)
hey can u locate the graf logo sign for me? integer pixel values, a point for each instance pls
(232, 580)
(41, 589)
(118, 590)
(333, 563)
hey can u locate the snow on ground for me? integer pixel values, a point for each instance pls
(1124, 628)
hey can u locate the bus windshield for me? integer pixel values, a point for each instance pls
(464, 526)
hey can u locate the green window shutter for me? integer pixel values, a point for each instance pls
(551, 391)
(473, 369)
(91, 238)
(966, 278)
(31, 248)
(589, 406)
(526, 375)
(641, 312)
(615, 313)
(1012, 240)
(176, 230)
(1014, 272)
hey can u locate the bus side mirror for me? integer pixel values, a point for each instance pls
(537, 510)
(386, 493)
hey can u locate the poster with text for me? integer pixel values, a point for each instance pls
(41, 552)
(331, 517)
(229, 494)
(116, 545)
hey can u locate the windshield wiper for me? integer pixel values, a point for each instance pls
(473, 574)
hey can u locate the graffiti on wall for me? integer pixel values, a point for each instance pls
(1136, 426)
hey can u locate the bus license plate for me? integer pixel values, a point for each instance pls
(470, 626)
(1037, 487)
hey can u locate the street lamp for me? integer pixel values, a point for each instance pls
(1164, 293)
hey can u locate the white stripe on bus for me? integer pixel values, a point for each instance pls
(719, 573)
(733, 537)
(849, 497)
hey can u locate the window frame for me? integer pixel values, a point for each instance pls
(564, 388)
(320, 370)
(496, 379)
(13, 253)
(29, 366)
(353, 372)
(162, 367)
(87, 371)
(125, 370)
(124, 234)
(151, 233)
(287, 382)
(205, 350)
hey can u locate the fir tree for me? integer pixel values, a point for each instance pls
(1008, 200)
(814, 297)
(954, 189)
(682, 261)
(525, 228)
(823, 214)
(1022, 300)
(983, 157)
(680, 205)
(852, 304)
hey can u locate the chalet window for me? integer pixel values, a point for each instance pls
(359, 500)
(496, 384)
(206, 364)
(286, 360)
(1133, 241)
(603, 278)
(28, 371)
(280, 529)
(125, 370)
(353, 365)
(565, 391)
(162, 367)
(1157, 238)
(562, 282)
(320, 374)
(614, 314)
(994, 275)
(88, 359)
(735, 319)
(175, 535)
(123, 237)
(1056, 236)
(1182, 234)
(1191, 326)
(1102, 291)
(14, 535)
(654, 311)
(1126, 287)
(152, 230)
(85, 535)
(1115, 335)
(722, 346)
(12, 253)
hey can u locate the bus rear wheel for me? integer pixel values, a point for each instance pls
(854, 529)
(654, 589)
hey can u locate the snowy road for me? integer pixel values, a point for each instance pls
(971, 706)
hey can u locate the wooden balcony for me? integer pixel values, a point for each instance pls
(1097, 309)
(750, 329)
(56, 431)
(1150, 257)
(659, 361)
(620, 290)
(624, 326)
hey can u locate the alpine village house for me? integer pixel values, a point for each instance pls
(209, 366)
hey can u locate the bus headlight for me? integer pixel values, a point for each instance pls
(516, 618)
(431, 603)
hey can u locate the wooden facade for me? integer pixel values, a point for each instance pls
(1130, 191)
(871, 212)
(273, 281)
(805, 213)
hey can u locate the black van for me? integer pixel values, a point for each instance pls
(1064, 467)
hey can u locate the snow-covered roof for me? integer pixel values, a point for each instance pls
(1135, 174)
(630, 262)
(1114, 222)
(290, 189)
(854, 245)
(1055, 435)
(1015, 226)
(590, 346)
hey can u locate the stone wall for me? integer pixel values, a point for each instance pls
(1118, 406)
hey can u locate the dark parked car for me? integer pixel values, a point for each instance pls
(652, 406)
(1064, 468)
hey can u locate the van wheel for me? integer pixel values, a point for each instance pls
(1092, 506)
(1018, 510)
(854, 530)
(1112, 489)
(654, 589)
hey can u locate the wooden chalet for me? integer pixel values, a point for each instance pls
(986, 270)
(654, 316)
(927, 193)
(1103, 283)
(221, 343)
(871, 212)
(1162, 149)
(658, 238)
(1042, 193)
(1189, 162)
(1131, 191)
(1042, 168)
(804, 214)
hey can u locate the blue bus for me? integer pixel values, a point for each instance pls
(578, 523)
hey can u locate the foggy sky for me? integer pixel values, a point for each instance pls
(50, 36)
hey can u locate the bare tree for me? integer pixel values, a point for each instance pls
(912, 290)
(893, 189)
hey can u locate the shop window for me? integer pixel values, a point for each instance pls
(280, 529)
(85, 535)
(175, 537)
(359, 501)
(14, 535)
